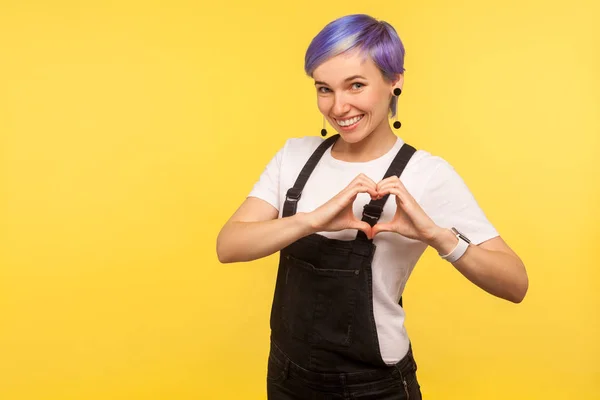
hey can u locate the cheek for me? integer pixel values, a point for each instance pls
(324, 104)
(370, 102)
(383, 104)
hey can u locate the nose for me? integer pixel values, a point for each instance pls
(340, 106)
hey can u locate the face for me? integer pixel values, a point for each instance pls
(353, 95)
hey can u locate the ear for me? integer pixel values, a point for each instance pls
(398, 82)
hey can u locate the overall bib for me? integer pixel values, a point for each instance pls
(324, 342)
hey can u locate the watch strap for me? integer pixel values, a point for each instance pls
(459, 250)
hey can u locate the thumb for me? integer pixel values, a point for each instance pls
(382, 227)
(363, 226)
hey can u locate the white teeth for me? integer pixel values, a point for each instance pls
(348, 122)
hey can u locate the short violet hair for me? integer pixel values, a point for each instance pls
(377, 39)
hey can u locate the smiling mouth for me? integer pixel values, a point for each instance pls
(349, 123)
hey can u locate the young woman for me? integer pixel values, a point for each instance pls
(347, 248)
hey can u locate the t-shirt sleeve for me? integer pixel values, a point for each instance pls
(267, 186)
(449, 203)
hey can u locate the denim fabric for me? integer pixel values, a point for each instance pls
(288, 381)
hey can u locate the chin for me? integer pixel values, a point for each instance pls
(353, 137)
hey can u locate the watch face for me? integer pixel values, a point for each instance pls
(463, 237)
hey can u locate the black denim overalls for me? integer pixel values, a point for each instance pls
(324, 342)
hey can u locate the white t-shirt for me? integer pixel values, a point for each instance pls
(431, 180)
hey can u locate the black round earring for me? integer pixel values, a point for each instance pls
(397, 92)
(323, 131)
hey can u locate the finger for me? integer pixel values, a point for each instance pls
(349, 194)
(406, 203)
(370, 183)
(387, 180)
(390, 182)
(365, 180)
(392, 190)
(380, 188)
(362, 187)
(403, 188)
(400, 191)
(364, 177)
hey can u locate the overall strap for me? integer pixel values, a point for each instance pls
(294, 193)
(372, 211)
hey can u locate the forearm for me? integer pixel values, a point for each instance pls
(497, 272)
(246, 241)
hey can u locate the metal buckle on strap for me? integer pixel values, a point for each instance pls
(293, 194)
(372, 212)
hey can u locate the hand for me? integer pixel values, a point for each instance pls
(337, 214)
(410, 220)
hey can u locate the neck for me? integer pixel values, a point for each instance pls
(375, 145)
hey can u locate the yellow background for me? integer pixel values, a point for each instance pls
(130, 131)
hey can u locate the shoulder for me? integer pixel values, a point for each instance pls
(427, 174)
(299, 149)
(427, 166)
(303, 143)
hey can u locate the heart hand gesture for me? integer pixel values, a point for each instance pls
(410, 220)
(337, 214)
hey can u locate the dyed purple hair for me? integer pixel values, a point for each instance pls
(376, 39)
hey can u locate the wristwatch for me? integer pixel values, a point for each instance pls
(460, 249)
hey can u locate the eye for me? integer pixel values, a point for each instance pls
(322, 89)
(357, 83)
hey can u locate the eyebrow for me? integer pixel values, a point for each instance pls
(350, 78)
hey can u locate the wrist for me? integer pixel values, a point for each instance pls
(305, 222)
(443, 240)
